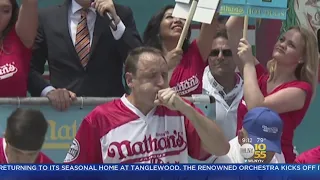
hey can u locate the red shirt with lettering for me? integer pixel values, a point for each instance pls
(117, 132)
(291, 120)
(41, 159)
(187, 76)
(14, 66)
(311, 156)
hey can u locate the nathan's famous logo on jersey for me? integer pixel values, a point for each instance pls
(7, 70)
(187, 85)
(152, 149)
(254, 153)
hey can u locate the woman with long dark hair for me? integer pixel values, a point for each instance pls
(18, 29)
(186, 65)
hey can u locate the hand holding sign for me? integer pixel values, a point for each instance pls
(187, 23)
(199, 10)
(245, 52)
(174, 57)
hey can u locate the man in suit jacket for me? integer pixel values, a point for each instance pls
(85, 59)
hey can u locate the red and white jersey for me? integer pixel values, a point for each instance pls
(117, 132)
(41, 159)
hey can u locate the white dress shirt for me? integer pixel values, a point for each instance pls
(74, 17)
(224, 114)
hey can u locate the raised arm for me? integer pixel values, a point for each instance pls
(125, 34)
(130, 38)
(289, 99)
(205, 38)
(234, 28)
(285, 100)
(27, 22)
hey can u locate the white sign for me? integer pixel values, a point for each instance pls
(183, 1)
(204, 12)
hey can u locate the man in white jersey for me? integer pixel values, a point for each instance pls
(151, 125)
(262, 129)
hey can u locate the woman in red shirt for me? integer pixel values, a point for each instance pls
(289, 84)
(187, 65)
(18, 29)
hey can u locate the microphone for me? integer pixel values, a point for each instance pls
(201, 99)
(112, 23)
(110, 18)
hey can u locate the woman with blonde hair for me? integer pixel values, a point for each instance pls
(289, 85)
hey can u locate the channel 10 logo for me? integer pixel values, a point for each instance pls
(256, 151)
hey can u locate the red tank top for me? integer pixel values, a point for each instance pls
(14, 66)
(291, 120)
(187, 76)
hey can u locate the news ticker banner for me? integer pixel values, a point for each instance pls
(162, 171)
(162, 167)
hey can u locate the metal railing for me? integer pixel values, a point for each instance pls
(80, 101)
(90, 101)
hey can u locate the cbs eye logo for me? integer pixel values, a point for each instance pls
(258, 151)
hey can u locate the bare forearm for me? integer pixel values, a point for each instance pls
(252, 93)
(27, 22)
(234, 28)
(204, 41)
(235, 23)
(210, 134)
(29, 8)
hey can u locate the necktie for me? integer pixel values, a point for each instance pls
(82, 44)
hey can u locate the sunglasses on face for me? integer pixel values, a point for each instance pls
(225, 52)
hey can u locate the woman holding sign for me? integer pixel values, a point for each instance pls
(289, 84)
(187, 64)
(18, 29)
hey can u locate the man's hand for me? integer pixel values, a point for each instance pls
(61, 99)
(103, 6)
(174, 57)
(170, 99)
